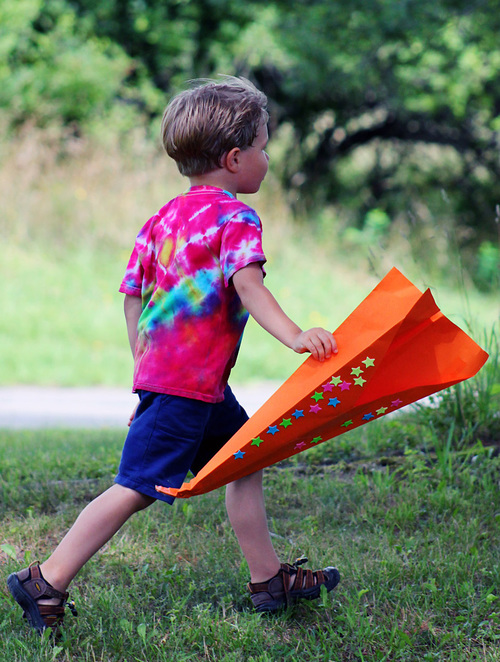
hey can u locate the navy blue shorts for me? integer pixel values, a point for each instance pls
(171, 435)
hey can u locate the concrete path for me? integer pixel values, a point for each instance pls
(40, 407)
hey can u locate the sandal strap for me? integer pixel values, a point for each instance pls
(37, 587)
(302, 579)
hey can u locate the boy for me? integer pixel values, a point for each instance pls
(193, 277)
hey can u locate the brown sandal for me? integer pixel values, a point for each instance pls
(290, 584)
(27, 588)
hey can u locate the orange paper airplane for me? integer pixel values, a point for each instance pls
(395, 348)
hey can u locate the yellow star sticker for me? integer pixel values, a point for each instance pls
(257, 442)
(286, 422)
(369, 363)
(335, 381)
(381, 411)
(359, 381)
(356, 371)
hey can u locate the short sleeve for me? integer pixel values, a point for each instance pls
(132, 280)
(241, 243)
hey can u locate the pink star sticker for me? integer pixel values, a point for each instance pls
(327, 387)
(315, 408)
(345, 386)
(300, 445)
(396, 403)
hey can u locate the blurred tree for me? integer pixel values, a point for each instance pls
(175, 39)
(53, 67)
(391, 104)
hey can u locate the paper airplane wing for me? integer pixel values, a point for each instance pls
(395, 348)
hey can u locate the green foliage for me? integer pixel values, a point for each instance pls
(390, 103)
(54, 67)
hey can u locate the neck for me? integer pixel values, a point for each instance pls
(218, 178)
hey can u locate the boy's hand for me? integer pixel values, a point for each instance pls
(318, 341)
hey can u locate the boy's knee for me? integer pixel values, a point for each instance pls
(252, 480)
(137, 500)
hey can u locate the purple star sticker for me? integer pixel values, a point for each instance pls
(300, 445)
(327, 387)
(315, 408)
(345, 386)
(396, 403)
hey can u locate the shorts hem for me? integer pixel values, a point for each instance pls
(142, 488)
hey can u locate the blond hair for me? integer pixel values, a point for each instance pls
(203, 123)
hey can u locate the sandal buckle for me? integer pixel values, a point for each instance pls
(300, 561)
(72, 607)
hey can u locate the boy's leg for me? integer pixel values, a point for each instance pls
(95, 525)
(247, 514)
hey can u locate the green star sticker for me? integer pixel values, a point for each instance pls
(381, 411)
(356, 371)
(369, 363)
(317, 396)
(359, 381)
(346, 424)
(316, 440)
(286, 422)
(257, 442)
(335, 380)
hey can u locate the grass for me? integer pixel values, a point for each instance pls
(417, 543)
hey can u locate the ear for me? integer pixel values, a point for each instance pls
(232, 161)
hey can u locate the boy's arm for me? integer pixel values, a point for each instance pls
(263, 307)
(133, 309)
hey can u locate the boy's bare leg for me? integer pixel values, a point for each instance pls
(247, 514)
(95, 525)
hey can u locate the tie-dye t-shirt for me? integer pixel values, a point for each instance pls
(192, 318)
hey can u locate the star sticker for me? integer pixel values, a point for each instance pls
(359, 381)
(335, 381)
(367, 417)
(272, 430)
(333, 402)
(314, 408)
(396, 403)
(286, 422)
(298, 413)
(316, 440)
(238, 455)
(300, 445)
(345, 386)
(317, 396)
(381, 411)
(356, 371)
(257, 442)
(369, 363)
(346, 424)
(327, 386)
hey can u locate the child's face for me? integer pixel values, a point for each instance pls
(254, 163)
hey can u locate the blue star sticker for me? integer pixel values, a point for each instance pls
(298, 413)
(273, 429)
(238, 455)
(367, 417)
(333, 402)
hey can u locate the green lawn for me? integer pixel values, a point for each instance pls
(414, 531)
